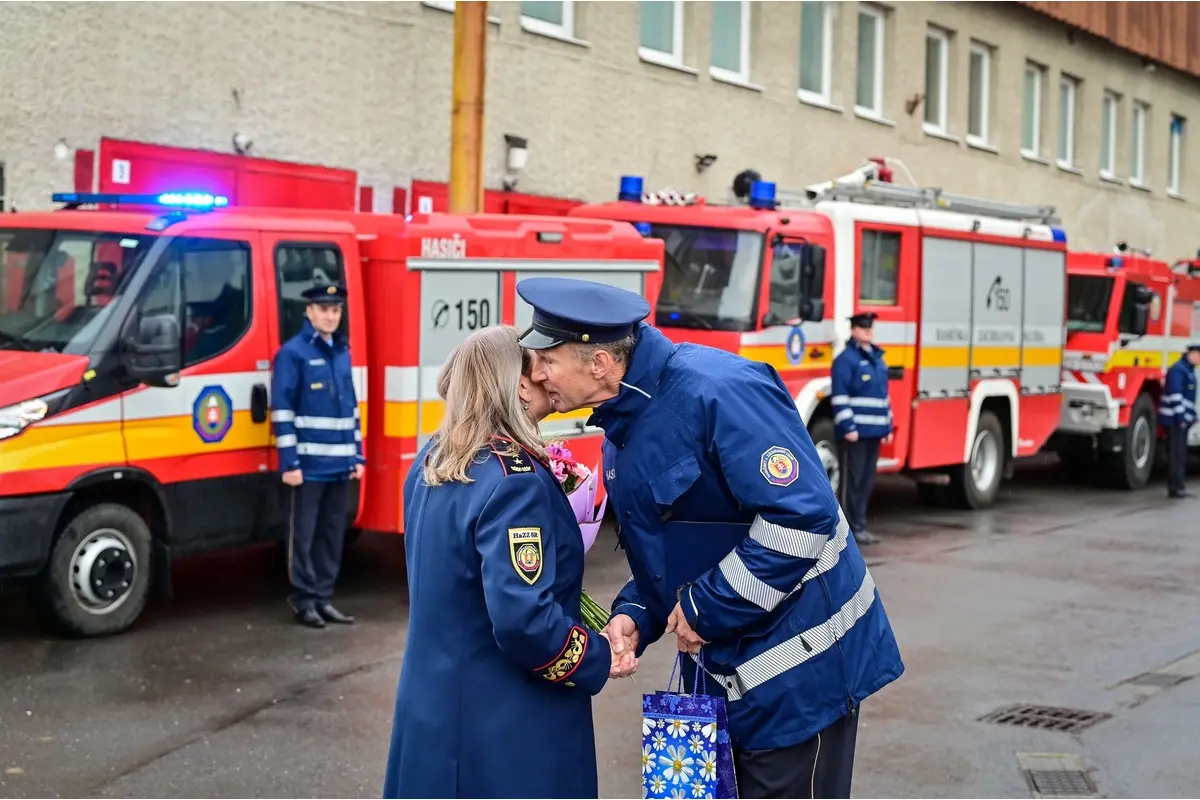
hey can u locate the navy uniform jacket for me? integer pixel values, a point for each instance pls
(495, 695)
(797, 633)
(314, 408)
(860, 392)
(1178, 404)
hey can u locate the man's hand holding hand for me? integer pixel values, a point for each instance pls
(293, 477)
(622, 634)
(686, 639)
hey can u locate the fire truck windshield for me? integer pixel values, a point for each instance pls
(710, 278)
(1088, 297)
(56, 285)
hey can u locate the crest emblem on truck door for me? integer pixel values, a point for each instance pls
(212, 414)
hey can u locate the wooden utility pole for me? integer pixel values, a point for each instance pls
(466, 116)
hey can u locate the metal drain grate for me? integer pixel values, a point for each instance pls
(1050, 718)
(1160, 680)
(1061, 783)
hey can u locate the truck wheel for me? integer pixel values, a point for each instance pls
(1130, 468)
(98, 577)
(975, 484)
(821, 433)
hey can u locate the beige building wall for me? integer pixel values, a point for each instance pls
(367, 86)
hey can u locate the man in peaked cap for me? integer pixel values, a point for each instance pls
(729, 523)
(319, 436)
(1177, 414)
(862, 419)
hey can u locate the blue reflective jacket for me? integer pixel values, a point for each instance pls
(314, 408)
(1178, 404)
(699, 438)
(860, 393)
(497, 664)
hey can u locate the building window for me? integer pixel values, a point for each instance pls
(878, 266)
(730, 58)
(444, 5)
(816, 51)
(1068, 92)
(979, 74)
(1137, 149)
(1175, 156)
(868, 91)
(298, 265)
(937, 65)
(1108, 135)
(1031, 114)
(662, 31)
(551, 18)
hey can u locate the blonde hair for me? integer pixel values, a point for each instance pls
(480, 383)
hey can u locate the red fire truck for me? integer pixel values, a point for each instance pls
(1129, 317)
(136, 345)
(969, 295)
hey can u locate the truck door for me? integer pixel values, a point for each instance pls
(206, 439)
(297, 261)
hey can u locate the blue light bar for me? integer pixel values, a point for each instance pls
(631, 189)
(762, 195)
(1114, 262)
(1058, 234)
(197, 200)
(643, 228)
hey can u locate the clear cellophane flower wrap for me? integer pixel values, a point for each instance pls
(580, 485)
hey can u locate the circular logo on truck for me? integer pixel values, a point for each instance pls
(795, 345)
(212, 414)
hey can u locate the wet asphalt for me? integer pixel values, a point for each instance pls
(1055, 596)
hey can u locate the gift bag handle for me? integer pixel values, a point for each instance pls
(701, 681)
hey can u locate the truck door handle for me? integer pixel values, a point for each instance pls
(258, 403)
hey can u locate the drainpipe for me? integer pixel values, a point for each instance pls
(466, 118)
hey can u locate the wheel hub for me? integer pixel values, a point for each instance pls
(1141, 442)
(985, 458)
(103, 569)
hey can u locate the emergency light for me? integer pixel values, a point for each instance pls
(762, 195)
(1058, 234)
(631, 189)
(197, 200)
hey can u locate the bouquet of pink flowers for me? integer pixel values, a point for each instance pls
(580, 483)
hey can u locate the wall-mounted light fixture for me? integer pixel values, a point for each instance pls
(517, 154)
(705, 161)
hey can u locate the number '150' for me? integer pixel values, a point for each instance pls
(473, 314)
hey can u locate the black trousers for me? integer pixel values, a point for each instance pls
(316, 536)
(1176, 459)
(859, 460)
(823, 766)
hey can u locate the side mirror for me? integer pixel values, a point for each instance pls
(154, 355)
(1141, 319)
(812, 309)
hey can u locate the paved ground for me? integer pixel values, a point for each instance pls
(1055, 597)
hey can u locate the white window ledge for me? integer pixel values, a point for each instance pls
(660, 59)
(1035, 158)
(872, 116)
(1110, 178)
(449, 9)
(1176, 196)
(1065, 167)
(978, 144)
(722, 76)
(1139, 186)
(817, 101)
(550, 33)
(938, 133)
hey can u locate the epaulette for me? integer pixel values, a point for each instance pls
(519, 464)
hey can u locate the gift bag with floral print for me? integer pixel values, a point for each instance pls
(686, 750)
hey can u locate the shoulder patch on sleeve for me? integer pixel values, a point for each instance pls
(525, 549)
(568, 659)
(779, 466)
(513, 465)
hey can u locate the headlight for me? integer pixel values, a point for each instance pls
(14, 419)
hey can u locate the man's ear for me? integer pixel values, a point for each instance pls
(601, 365)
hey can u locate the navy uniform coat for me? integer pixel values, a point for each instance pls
(701, 441)
(495, 695)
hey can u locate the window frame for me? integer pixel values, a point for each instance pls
(1110, 103)
(825, 96)
(942, 37)
(985, 88)
(1137, 143)
(1066, 128)
(564, 31)
(1176, 131)
(743, 73)
(1039, 75)
(310, 244)
(876, 110)
(674, 58)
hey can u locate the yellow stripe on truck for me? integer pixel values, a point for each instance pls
(776, 355)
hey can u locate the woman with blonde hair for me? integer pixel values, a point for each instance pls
(495, 692)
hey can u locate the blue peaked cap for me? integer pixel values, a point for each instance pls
(572, 310)
(325, 293)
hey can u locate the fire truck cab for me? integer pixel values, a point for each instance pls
(137, 335)
(968, 293)
(1129, 316)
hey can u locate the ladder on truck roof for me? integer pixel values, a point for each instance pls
(864, 186)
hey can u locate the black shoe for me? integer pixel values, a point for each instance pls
(309, 618)
(333, 615)
(1180, 495)
(866, 538)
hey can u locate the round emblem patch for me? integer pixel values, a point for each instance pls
(779, 466)
(528, 557)
(796, 345)
(212, 414)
